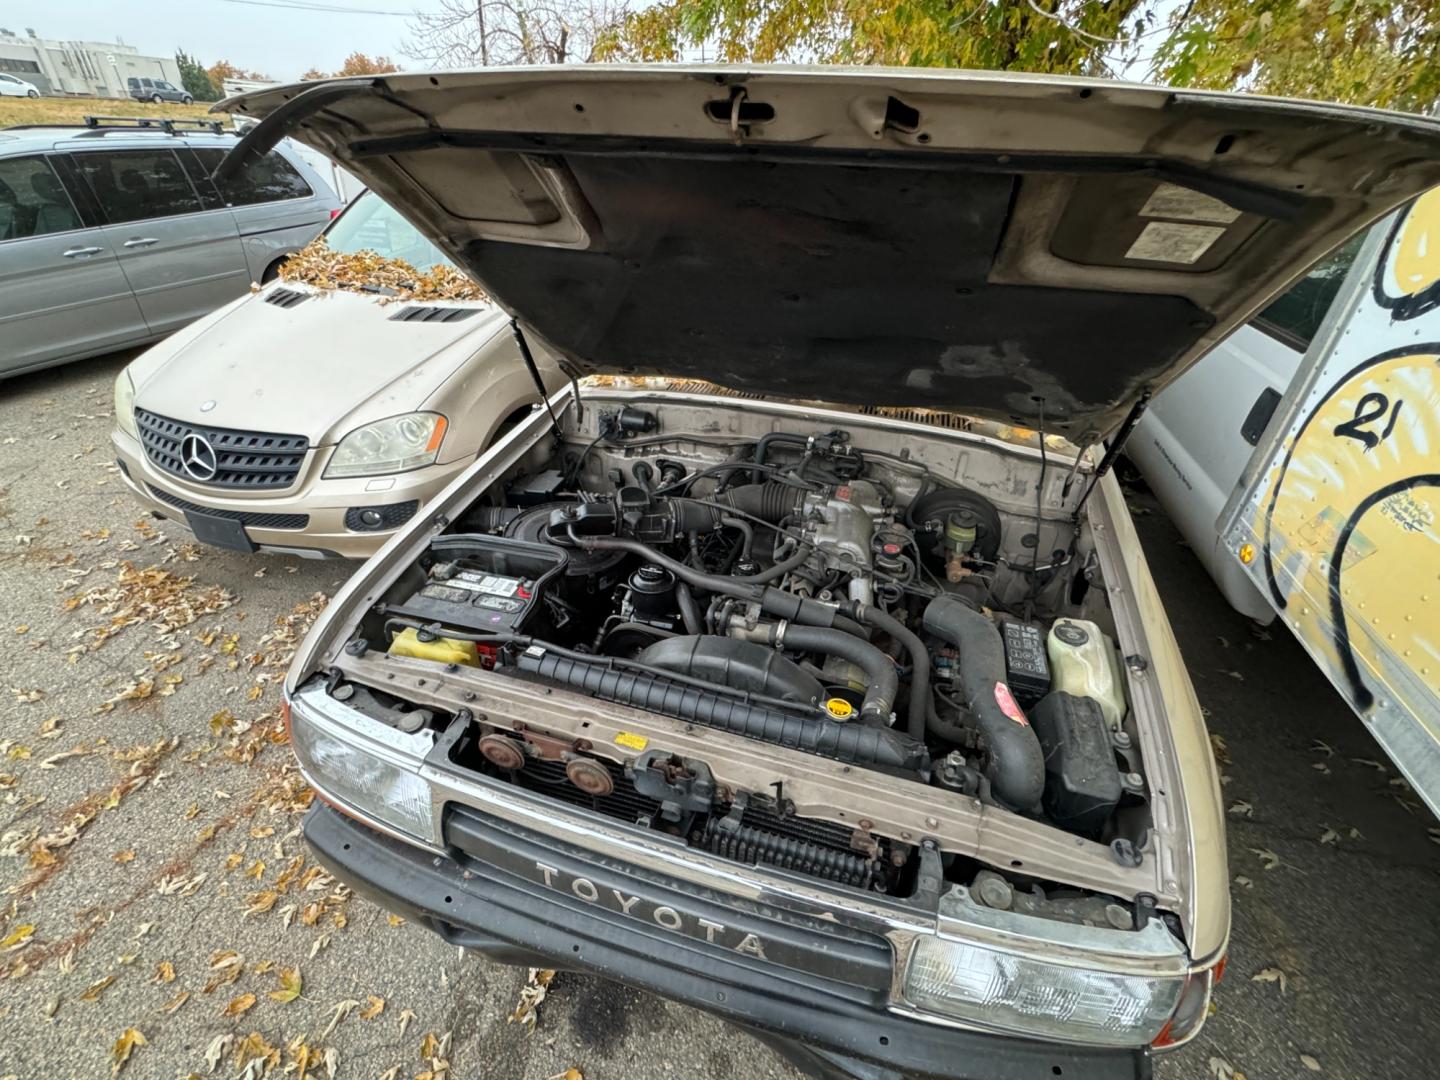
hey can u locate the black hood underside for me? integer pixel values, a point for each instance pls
(871, 291)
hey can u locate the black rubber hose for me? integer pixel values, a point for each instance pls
(858, 743)
(762, 446)
(920, 704)
(689, 610)
(1017, 764)
(767, 502)
(881, 679)
(772, 601)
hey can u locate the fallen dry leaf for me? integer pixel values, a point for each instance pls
(122, 857)
(243, 1003)
(175, 1002)
(1266, 856)
(216, 1050)
(1241, 809)
(1274, 975)
(1310, 1063)
(95, 989)
(375, 1007)
(164, 972)
(571, 1073)
(124, 1046)
(18, 936)
(536, 986)
(406, 1016)
(342, 1010)
(290, 985)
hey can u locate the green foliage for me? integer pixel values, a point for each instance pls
(1367, 52)
(1372, 52)
(194, 79)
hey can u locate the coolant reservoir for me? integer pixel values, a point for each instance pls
(1083, 662)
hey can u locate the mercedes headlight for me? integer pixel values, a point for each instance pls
(1036, 998)
(125, 403)
(396, 444)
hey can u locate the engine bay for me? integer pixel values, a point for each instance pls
(933, 615)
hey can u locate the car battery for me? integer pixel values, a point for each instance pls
(1027, 670)
(473, 599)
(482, 584)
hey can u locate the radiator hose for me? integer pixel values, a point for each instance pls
(1016, 768)
(882, 683)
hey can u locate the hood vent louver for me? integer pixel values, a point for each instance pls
(286, 298)
(431, 313)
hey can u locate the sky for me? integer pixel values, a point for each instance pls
(281, 41)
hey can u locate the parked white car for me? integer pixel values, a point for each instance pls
(11, 86)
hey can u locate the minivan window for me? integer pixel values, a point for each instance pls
(370, 224)
(267, 179)
(132, 185)
(1295, 315)
(32, 200)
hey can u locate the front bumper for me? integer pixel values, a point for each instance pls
(833, 1024)
(323, 504)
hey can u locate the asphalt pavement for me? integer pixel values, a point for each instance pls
(156, 889)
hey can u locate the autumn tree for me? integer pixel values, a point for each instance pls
(194, 79)
(224, 69)
(1366, 52)
(467, 33)
(1068, 36)
(313, 74)
(1369, 52)
(357, 63)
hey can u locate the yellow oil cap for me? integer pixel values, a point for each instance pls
(839, 708)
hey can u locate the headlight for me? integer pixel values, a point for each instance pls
(389, 446)
(367, 767)
(125, 403)
(1031, 997)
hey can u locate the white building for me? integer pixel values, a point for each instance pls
(94, 68)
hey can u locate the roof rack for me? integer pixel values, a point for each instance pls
(177, 125)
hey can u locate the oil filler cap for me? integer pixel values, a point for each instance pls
(839, 708)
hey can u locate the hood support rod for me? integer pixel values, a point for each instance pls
(1117, 444)
(530, 366)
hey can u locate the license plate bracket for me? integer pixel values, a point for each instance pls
(219, 532)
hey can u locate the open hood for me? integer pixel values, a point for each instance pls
(1028, 249)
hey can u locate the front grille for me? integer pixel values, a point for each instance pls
(818, 849)
(252, 460)
(245, 517)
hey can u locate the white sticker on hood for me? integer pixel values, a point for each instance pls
(1171, 242)
(1174, 201)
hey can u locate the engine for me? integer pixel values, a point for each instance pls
(797, 589)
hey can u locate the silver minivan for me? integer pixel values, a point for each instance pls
(113, 235)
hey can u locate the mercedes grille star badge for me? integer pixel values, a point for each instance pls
(198, 457)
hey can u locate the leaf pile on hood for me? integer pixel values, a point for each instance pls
(370, 272)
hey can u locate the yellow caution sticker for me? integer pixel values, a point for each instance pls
(631, 741)
(839, 708)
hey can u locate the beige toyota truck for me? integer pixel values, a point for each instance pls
(763, 687)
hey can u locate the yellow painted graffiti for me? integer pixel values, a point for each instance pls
(1361, 484)
(1415, 257)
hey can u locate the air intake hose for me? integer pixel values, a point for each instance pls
(857, 743)
(1017, 765)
